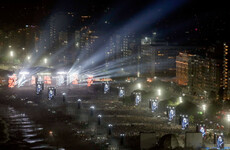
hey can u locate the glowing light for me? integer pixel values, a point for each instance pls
(51, 133)
(90, 80)
(139, 86)
(74, 78)
(11, 54)
(228, 117)
(24, 73)
(159, 92)
(47, 79)
(204, 107)
(180, 99)
(45, 60)
(28, 57)
(33, 80)
(12, 81)
(62, 72)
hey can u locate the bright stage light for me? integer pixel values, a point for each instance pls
(61, 72)
(24, 73)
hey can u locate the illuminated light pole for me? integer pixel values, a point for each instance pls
(79, 103)
(139, 86)
(180, 100)
(11, 56)
(11, 53)
(45, 60)
(110, 126)
(228, 119)
(122, 137)
(28, 58)
(92, 110)
(63, 97)
(159, 92)
(99, 119)
(204, 108)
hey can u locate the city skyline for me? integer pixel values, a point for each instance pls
(124, 74)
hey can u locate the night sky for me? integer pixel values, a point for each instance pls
(207, 19)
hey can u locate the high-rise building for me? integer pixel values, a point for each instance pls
(147, 57)
(182, 68)
(226, 73)
(58, 23)
(204, 76)
(122, 50)
(63, 39)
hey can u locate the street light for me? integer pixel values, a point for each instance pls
(159, 92)
(110, 126)
(228, 119)
(99, 119)
(92, 110)
(28, 57)
(11, 53)
(45, 60)
(79, 103)
(11, 56)
(180, 99)
(139, 86)
(204, 108)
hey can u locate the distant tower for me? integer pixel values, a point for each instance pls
(226, 72)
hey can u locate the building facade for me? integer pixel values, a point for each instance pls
(182, 68)
(204, 76)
